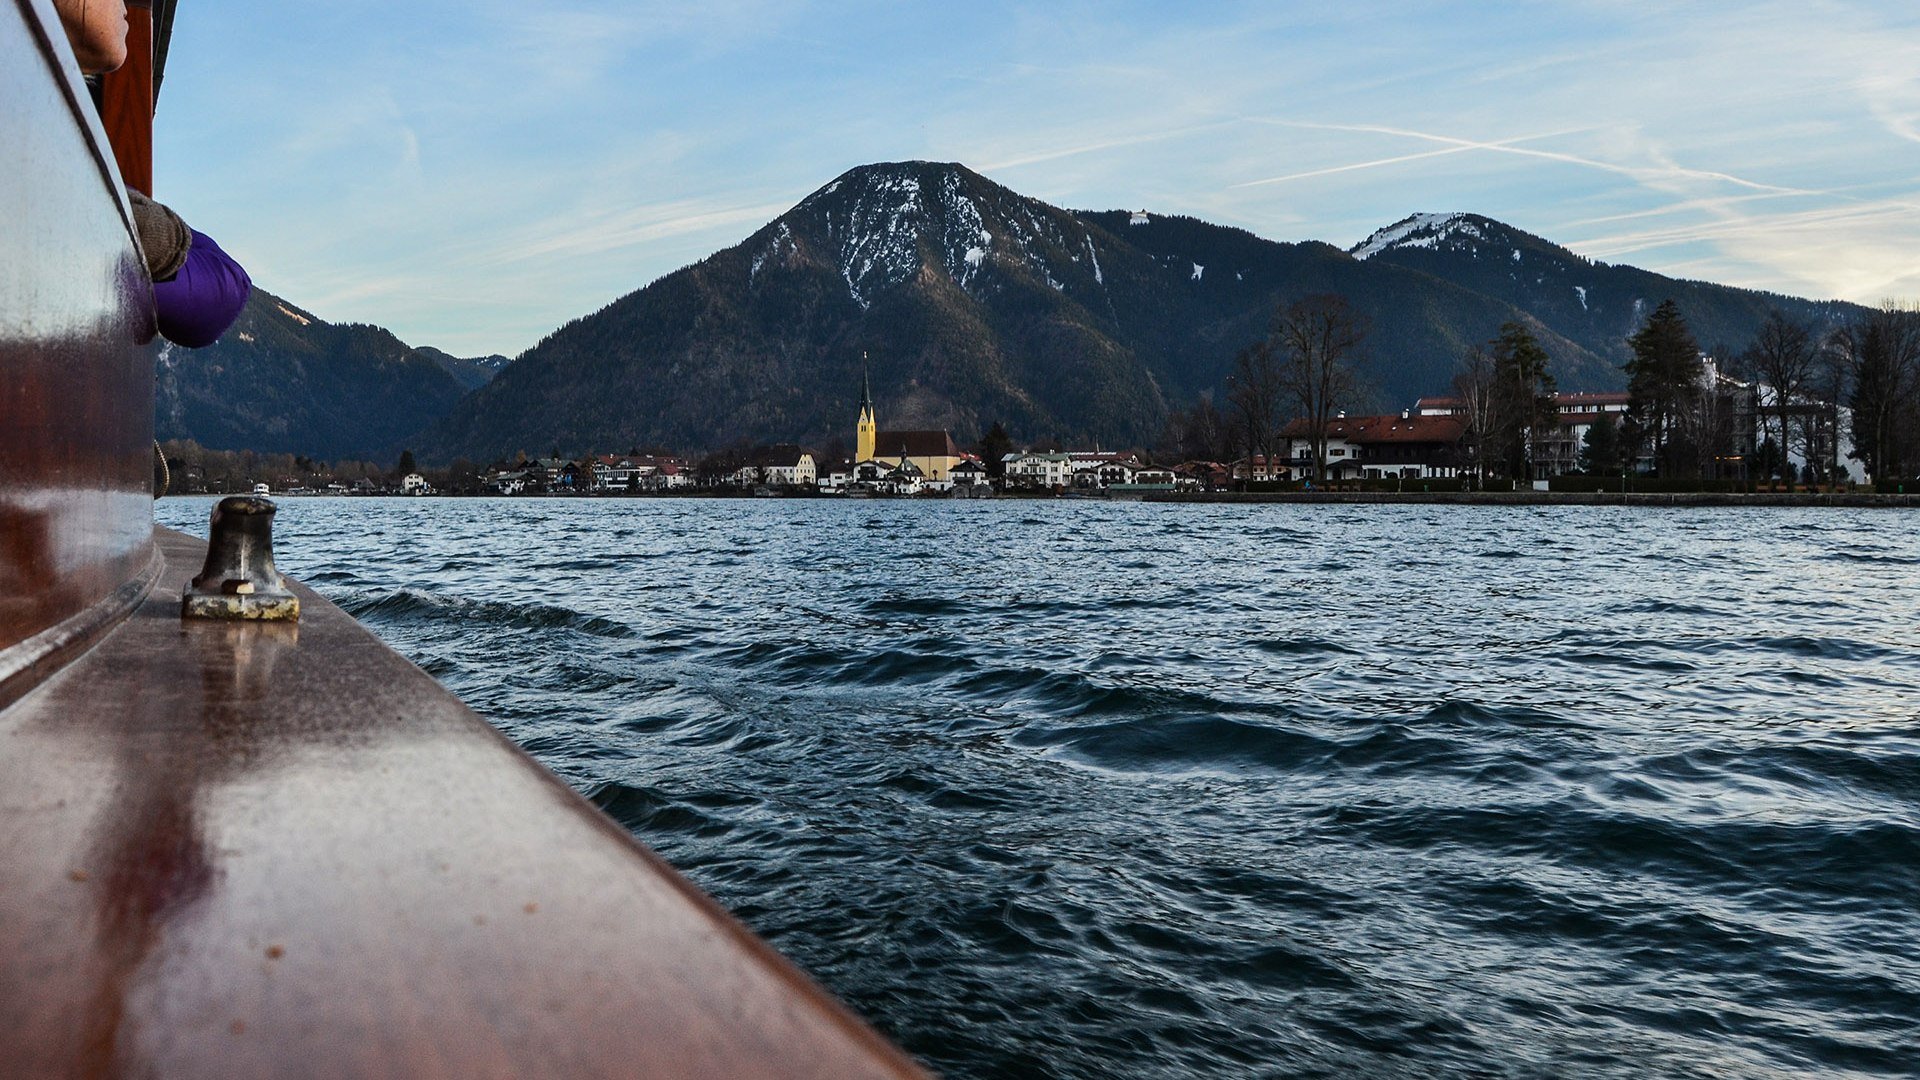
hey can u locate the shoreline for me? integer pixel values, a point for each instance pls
(1441, 498)
(1546, 498)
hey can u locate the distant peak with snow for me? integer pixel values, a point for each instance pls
(1420, 230)
(881, 225)
(899, 180)
(1461, 233)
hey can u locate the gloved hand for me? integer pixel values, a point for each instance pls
(164, 238)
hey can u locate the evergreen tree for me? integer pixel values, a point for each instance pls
(1633, 441)
(1524, 391)
(406, 465)
(1663, 379)
(1600, 450)
(1768, 461)
(994, 447)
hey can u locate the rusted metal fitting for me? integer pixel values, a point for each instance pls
(239, 581)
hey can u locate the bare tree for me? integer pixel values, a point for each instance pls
(1203, 432)
(1196, 434)
(1821, 431)
(1708, 428)
(1254, 394)
(1783, 356)
(1476, 385)
(1317, 341)
(1882, 358)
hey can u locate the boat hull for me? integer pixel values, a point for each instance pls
(76, 381)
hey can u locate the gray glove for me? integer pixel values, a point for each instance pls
(164, 238)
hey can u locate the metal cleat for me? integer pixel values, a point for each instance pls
(238, 580)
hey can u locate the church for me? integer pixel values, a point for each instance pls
(932, 453)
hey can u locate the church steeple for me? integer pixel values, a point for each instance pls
(866, 429)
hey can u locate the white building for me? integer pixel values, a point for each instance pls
(777, 466)
(1341, 455)
(1099, 475)
(833, 478)
(968, 474)
(617, 474)
(665, 476)
(901, 477)
(792, 473)
(1039, 471)
(1813, 428)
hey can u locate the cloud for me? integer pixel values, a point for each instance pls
(639, 225)
(1041, 156)
(1454, 146)
(1662, 170)
(460, 170)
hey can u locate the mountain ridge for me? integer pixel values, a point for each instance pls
(973, 304)
(471, 372)
(1581, 298)
(284, 380)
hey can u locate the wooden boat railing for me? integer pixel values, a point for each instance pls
(282, 850)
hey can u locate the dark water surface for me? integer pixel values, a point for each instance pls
(1091, 790)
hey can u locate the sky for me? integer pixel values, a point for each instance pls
(473, 175)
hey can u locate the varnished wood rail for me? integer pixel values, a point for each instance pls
(260, 850)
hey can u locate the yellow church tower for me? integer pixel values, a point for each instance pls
(866, 428)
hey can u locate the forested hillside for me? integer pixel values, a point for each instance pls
(973, 304)
(282, 380)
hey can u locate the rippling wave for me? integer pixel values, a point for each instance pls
(1089, 790)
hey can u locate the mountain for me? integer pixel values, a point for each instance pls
(283, 380)
(471, 372)
(1418, 324)
(1586, 301)
(974, 304)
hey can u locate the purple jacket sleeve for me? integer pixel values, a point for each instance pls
(204, 298)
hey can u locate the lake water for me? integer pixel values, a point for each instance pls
(1073, 789)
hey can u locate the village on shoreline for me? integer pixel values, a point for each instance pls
(1420, 451)
(1685, 426)
(1422, 454)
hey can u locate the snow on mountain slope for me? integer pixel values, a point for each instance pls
(880, 225)
(1418, 231)
(972, 304)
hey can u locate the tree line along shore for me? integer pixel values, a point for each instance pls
(1801, 409)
